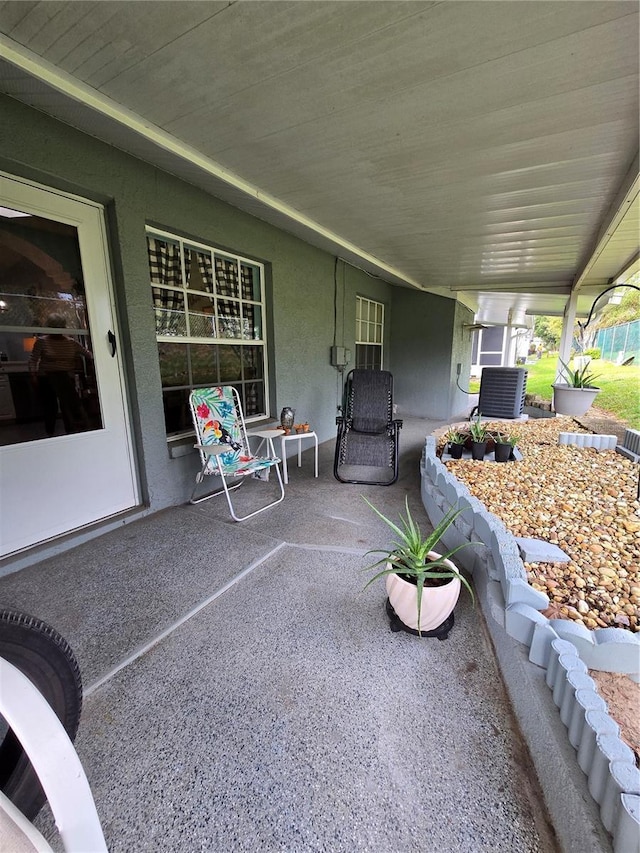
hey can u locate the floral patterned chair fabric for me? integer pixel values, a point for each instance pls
(223, 444)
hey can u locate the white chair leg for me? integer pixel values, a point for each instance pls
(262, 508)
(199, 478)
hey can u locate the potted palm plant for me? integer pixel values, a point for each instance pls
(478, 439)
(423, 585)
(576, 394)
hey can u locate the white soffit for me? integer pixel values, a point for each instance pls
(476, 150)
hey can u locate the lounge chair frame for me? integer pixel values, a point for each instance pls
(223, 445)
(368, 434)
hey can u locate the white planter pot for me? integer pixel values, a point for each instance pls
(573, 401)
(437, 601)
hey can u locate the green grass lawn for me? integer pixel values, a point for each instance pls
(620, 394)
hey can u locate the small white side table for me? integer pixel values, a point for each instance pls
(299, 436)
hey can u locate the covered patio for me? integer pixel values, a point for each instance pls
(388, 177)
(242, 692)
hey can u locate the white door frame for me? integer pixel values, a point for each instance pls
(57, 485)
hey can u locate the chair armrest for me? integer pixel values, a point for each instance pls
(212, 449)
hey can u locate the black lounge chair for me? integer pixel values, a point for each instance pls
(367, 442)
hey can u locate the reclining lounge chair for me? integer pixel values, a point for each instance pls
(367, 442)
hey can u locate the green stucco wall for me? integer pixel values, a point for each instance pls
(313, 298)
(427, 342)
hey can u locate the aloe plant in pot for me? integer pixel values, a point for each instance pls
(455, 441)
(423, 585)
(478, 439)
(504, 445)
(576, 394)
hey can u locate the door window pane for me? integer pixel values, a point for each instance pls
(48, 384)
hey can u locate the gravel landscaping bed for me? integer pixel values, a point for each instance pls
(581, 499)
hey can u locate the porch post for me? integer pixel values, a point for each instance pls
(508, 350)
(567, 332)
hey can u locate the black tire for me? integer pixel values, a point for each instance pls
(46, 658)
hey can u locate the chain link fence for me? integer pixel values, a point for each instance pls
(620, 343)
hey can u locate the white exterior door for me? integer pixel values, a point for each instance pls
(66, 457)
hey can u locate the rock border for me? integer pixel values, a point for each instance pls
(565, 649)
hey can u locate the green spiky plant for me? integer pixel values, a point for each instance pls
(504, 438)
(478, 430)
(409, 555)
(453, 436)
(579, 378)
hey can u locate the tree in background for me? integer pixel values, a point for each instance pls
(626, 311)
(548, 329)
(608, 314)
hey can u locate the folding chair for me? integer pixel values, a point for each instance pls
(368, 435)
(224, 447)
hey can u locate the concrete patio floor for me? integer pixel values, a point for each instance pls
(242, 692)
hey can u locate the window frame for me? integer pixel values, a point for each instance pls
(188, 244)
(369, 324)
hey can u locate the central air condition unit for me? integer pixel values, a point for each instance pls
(502, 391)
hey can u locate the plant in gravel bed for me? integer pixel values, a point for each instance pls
(504, 444)
(455, 440)
(478, 432)
(585, 502)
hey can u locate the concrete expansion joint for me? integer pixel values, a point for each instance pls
(170, 629)
(339, 549)
(565, 649)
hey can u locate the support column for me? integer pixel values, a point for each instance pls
(567, 333)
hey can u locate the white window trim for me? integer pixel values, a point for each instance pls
(212, 249)
(358, 340)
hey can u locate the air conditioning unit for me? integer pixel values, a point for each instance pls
(502, 391)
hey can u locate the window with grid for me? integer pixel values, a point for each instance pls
(209, 311)
(369, 333)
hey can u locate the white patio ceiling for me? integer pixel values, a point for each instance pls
(482, 150)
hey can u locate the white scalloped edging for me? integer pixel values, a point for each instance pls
(586, 439)
(565, 649)
(608, 763)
